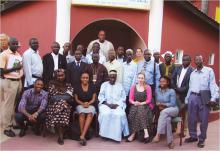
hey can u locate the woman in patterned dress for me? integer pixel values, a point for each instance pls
(140, 114)
(58, 110)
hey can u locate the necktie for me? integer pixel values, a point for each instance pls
(78, 64)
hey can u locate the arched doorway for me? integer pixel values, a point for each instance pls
(118, 32)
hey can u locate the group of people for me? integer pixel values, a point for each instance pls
(124, 88)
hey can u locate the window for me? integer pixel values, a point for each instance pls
(179, 56)
(211, 59)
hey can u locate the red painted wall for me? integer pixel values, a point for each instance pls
(31, 19)
(182, 30)
(212, 8)
(82, 16)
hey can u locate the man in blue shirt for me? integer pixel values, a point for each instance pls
(202, 78)
(151, 70)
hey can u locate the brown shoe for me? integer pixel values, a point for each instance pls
(171, 145)
(155, 140)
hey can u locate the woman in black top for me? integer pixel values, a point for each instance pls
(85, 96)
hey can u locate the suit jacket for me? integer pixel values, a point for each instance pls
(48, 66)
(73, 72)
(181, 91)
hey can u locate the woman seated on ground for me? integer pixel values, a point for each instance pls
(58, 110)
(166, 102)
(140, 114)
(85, 96)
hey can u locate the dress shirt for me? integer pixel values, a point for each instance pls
(32, 101)
(203, 79)
(181, 77)
(148, 68)
(7, 61)
(129, 76)
(32, 65)
(55, 60)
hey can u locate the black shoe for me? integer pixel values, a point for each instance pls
(22, 133)
(9, 133)
(60, 141)
(190, 140)
(83, 142)
(147, 140)
(201, 144)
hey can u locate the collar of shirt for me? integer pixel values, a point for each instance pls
(37, 94)
(34, 51)
(54, 55)
(130, 63)
(185, 68)
(113, 61)
(148, 62)
(202, 70)
(78, 62)
(11, 52)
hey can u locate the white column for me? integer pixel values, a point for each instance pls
(63, 22)
(155, 25)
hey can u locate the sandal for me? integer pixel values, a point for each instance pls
(127, 139)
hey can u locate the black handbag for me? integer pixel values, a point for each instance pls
(67, 97)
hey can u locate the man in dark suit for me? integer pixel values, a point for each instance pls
(51, 62)
(180, 82)
(74, 69)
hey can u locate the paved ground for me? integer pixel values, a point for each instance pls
(32, 142)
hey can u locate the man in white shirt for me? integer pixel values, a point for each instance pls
(95, 49)
(113, 64)
(32, 63)
(105, 45)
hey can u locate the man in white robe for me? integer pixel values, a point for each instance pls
(105, 45)
(112, 117)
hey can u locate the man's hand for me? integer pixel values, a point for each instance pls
(35, 115)
(114, 106)
(31, 118)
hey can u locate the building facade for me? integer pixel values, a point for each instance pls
(183, 27)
